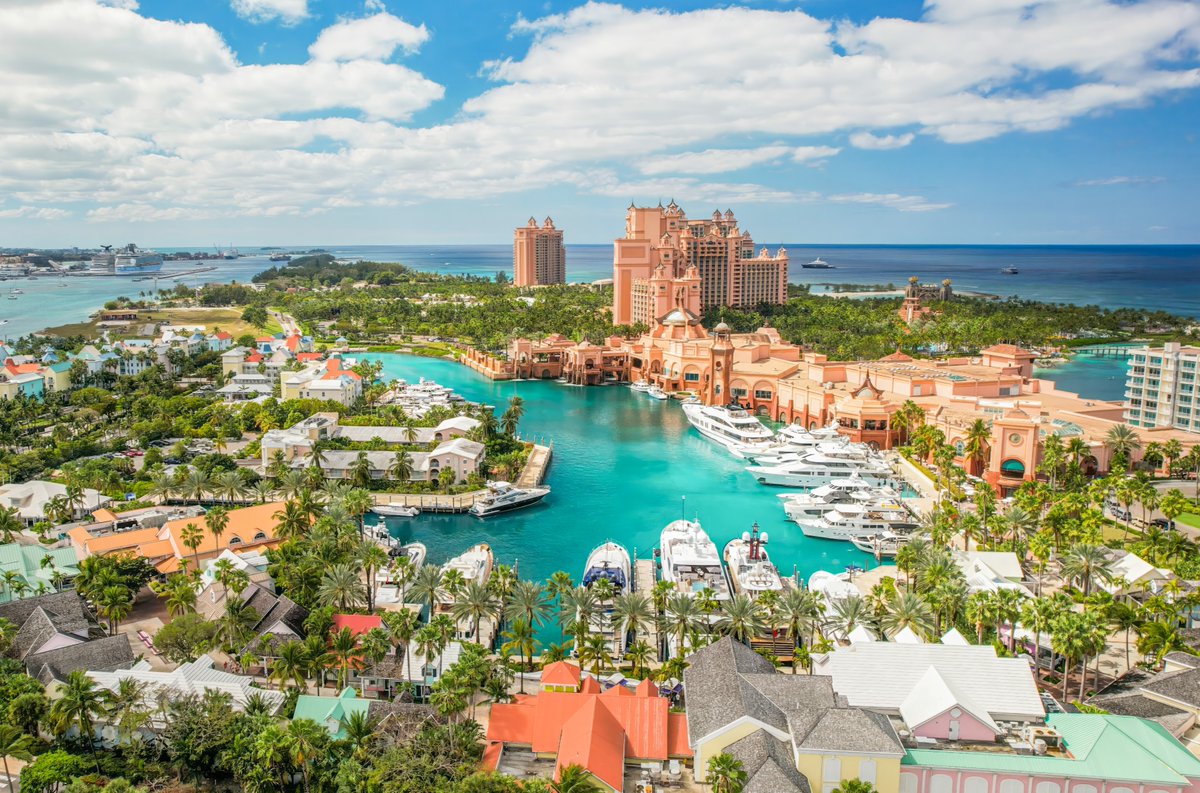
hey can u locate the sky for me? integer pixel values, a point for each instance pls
(307, 122)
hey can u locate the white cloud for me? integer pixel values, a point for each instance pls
(288, 12)
(605, 100)
(128, 5)
(375, 37)
(903, 203)
(1158, 228)
(34, 213)
(865, 140)
(374, 6)
(1120, 180)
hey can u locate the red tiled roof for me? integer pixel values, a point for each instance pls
(357, 623)
(254, 357)
(593, 739)
(560, 673)
(293, 342)
(618, 691)
(305, 357)
(222, 335)
(491, 757)
(677, 736)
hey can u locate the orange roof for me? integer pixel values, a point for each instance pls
(590, 685)
(1008, 349)
(109, 543)
(254, 357)
(491, 757)
(101, 515)
(293, 342)
(677, 736)
(646, 688)
(560, 673)
(618, 691)
(357, 623)
(305, 357)
(24, 368)
(593, 739)
(223, 336)
(246, 525)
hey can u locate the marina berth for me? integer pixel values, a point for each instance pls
(474, 566)
(690, 560)
(732, 427)
(807, 506)
(883, 545)
(751, 572)
(609, 569)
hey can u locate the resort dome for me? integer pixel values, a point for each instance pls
(676, 317)
(721, 328)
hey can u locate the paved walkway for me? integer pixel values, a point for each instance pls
(536, 466)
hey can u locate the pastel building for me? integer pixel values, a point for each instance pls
(936, 719)
(1161, 388)
(663, 250)
(539, 256)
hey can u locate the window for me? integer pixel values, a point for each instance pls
(691, 377)
(1017, 786)
(762, 394)
(1048, 787)
(908, 783)
(975, 784)
(259, 537)
(916, 390)
(738, 392)
(941, 783)
(866, 771)
(235, 540)
(831, 769)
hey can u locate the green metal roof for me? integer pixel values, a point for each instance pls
(26, 562)
(1101, 747)
(330, 711)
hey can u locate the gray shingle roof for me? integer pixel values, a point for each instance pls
(768, 765)
(1183, 687)
(61, 604)
(851, 730)
(714, 689)
(102, 655)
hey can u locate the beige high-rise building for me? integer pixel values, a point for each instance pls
(539, 256)
(730, 272)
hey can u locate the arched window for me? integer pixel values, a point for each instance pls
(259, 537)
(960, 448)
(975, 784)
(235, 540)
(1048, 787)
(908, 783)
(1085, 789)
(941, 783)
(1015, 786)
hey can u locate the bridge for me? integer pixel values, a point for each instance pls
(1109, 350)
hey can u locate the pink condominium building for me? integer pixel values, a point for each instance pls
(662, 250)
(539, 257)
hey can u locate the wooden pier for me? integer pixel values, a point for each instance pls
(534, 472)
(431, 502)
(644, 577)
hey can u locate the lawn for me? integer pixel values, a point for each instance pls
(1191, 519)
(226, 319)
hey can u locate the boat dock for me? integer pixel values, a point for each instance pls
(644, 576)
(431, 502)
(536, 466)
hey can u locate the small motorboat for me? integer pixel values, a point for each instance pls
(654, 392)
(641, 386)
(882, 545)
(1010, 271)
(395, 511)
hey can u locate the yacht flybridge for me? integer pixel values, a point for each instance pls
(847, 521)
(732, 427)
(690, 560)
(816, 469)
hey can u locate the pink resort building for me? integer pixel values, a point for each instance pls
(539, 257)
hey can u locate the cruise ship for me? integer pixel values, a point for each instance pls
(814, 470)
(731, 427)
(609, 562)
(690, 560)
(750, 569)
(847, 521)
(132, 260)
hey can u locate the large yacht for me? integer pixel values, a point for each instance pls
(395, 511)
(792, 439)
(855, 452)
(814, 470)
(847, 521)
(475, 566)
(609, 562)
(503, 497)
(750, 569)
(690, 560)
(731, 427)
(854, 490)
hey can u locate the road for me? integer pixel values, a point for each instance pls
(287, 322)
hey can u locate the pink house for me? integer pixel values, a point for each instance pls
(935, 708)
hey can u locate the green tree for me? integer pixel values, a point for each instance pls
(854, 786)
(14, 744)
(725, 774)
(185, 638)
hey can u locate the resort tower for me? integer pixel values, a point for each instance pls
(539, 257)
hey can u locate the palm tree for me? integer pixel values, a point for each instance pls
(594, 650)
(639, 654)
(14, 744)
(304, 738)
(978, 438)
(360, 730)
(358, 502)
(360, 472)
(427, 586)
(162, 488)
(683, 617)
(1122, 440)
(849, 613)
(1086, 565)
(529, 601)
(725, 774)
(584, 605)
(473, 603)
(229, 485)
(800, 610)
(519, 640)
(743, 618)
(401, 626)
(180, 593)
(236, 625)
(401, 469)
(291, 665)
(909, 610)
(854, 786)
(217, 520)
(1156, 639)
(1037, 615)
(292, 521)
(632, 611)
(195, 485)
(293, 484)
(428, 641)
(1069, 638)
(79, 702)
(345, 649)
(341, 585)
(114, 604)
(372, 557)
(193, 537)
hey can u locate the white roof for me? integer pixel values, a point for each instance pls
(880, 675)
(933, 695)
(29, 498)
(861, 633)
(461, 446)
(907, 635)
(1005, 563)
(190, 678)
(980, 576)
(1132, 569)
(952, 636)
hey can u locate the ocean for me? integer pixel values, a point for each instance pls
(1160, 277)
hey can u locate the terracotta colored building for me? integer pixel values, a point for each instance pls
(663, 251)
(539, 257)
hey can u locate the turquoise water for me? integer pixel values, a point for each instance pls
(622, 462)
(1093, 376)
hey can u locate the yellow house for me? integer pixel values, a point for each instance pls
(790, 732)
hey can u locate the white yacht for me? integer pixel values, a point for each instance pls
(690, 559)
(750, 569)
(855, 490)
(475, 565)
(641, 386)
(857, 452)
(609, 562)
(883, 545)
(814, 470)
(788, 441)
(654, 392)
(847, 521)
(395, 511)
(503, 497)
(733, 428)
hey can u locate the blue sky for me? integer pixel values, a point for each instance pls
(334, 122)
